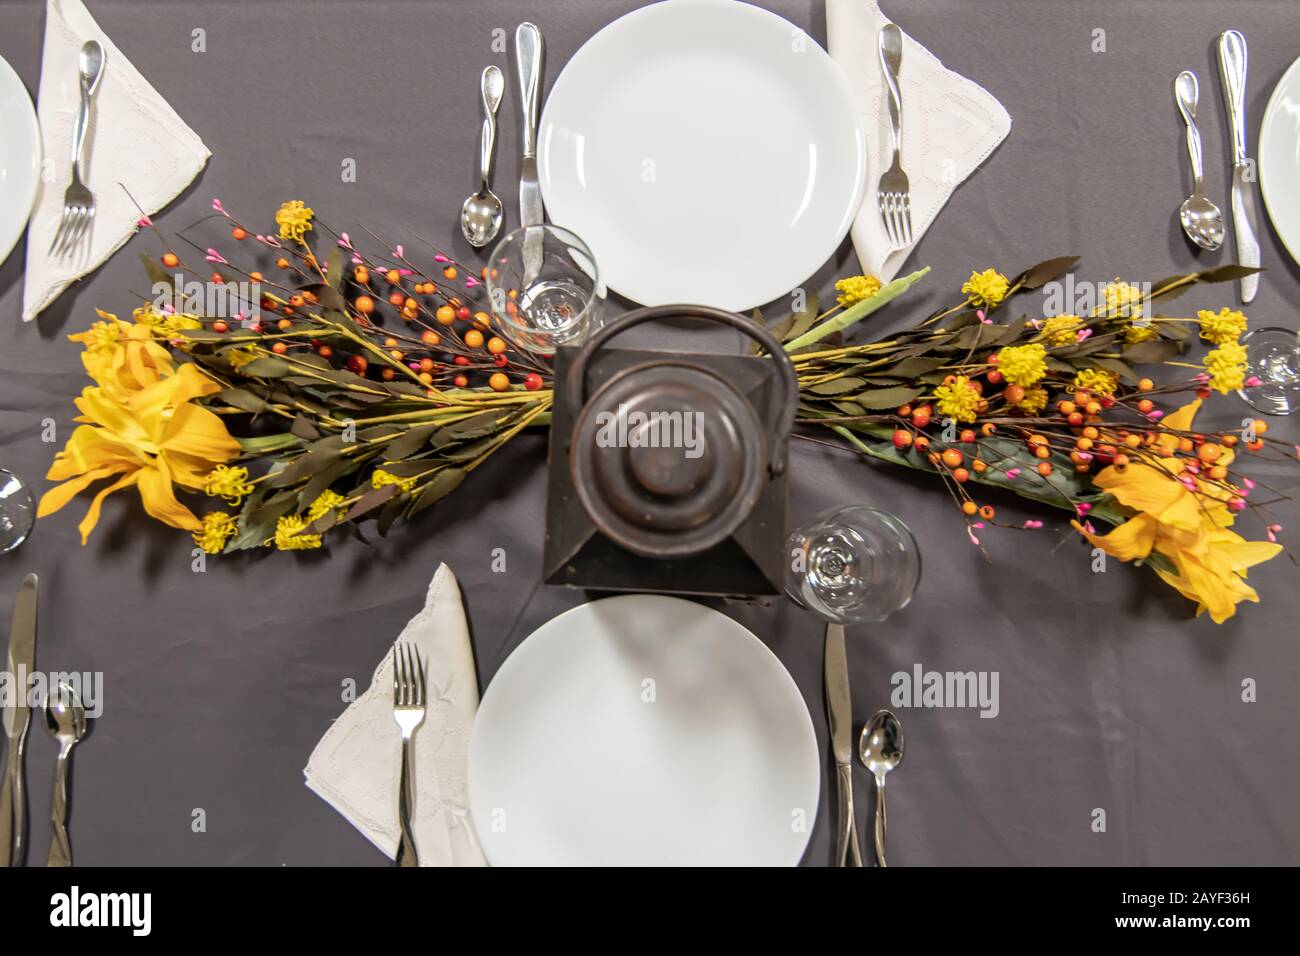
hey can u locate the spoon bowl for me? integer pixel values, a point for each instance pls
(880, 748)
(481, 217)
(1202, 221)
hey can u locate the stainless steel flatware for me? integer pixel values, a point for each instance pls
(408, 711)
(880, 748)
(1201, 219)
(65, 718)
(839, 717)
(1245, 218)
(16, 718)
(894, 192)
(529, 51)
(78, 200)
(481, 216)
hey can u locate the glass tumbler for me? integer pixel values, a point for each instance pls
(545, 288)
(853, 565)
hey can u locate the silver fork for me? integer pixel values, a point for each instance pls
(408, 711)
(894, 193)
(78, 201)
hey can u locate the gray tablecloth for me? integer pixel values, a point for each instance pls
(1111, 695)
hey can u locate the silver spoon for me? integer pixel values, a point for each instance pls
(1202, 220)
(481, 216)
(66, 720)
(880, 748)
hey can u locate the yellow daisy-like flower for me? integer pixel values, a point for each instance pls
(1221, 327)
(294, 219)
(856, 288)
(380, 478)
(958, 401)
(218, 528)
(1122, 299)
(231, 484)
(288, 536)
(325, 502)
(1035, 401)
(1226, 366)
(239, 357)
(1023, 364)
(167, 324)
(986, 289)
(1096, 380)
(1134, 333)
(102, 338)
(1061, 330)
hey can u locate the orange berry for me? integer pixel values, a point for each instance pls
(430, 337)
(445, 315)
(1042, 451)
(324, 351)
(256, 276)
(1083, 443)
(1091, 433)
(460, 381)
(425, 378)
(426, 365)
(960, 475)
(496, 345)
(282, 263)
(1261, 426)
(396, 298)
(902, 439)
(362, 274)
(364, 304)
(450, 273)
(390, 343)
(1185, 445)
(239, 234)
(499, 382)
(388, 374)
(1044, 468)
(1015, 394)
(1093, 408)
(987, 429)
(171, 260)
(482, 319)
(279, 348)
(967, 436)
(1120, 462)
(987, 512)
(1209, 452)
(1145, 385)
(411, 306)
(474, 338)
(284, 325)
(952, 457)
(393, 276)
(220, 326)
(904, 410)
(398, 354)
(297, 301)
(1133, 441)
(921, 443)
(969, 507)
(979, 466)
(1218, 473)
(1065, 407)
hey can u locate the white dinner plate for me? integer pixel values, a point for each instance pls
(1279, 159)
(20, 158)
(707, 151)
(641, 731)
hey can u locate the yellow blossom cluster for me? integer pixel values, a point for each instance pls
(855, 289)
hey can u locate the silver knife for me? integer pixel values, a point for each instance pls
(528, 59)
(839, 717)
(16, 718)
(1245, 219)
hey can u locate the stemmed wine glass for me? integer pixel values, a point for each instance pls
(1273, 357)
(17, 512)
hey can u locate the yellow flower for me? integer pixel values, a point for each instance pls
(325, 502)
(239, 357)
(123, 358)
(218, 528)
(1226, 366)
(856, 288)
(167, 324)
(153, 437)
(1061, 330)
(1096, 380)
(1188, 527)
(294, 220)
(288, 536)
(232, 484)
(1134, 333)
(1222, 327)
(1023, 364)
(381, 478)
(1035, 401)
(986, 289)
(1122, 300)
(958, 401)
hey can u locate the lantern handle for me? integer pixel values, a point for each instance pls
(576, 383)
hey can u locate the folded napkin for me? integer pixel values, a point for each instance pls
(356, 766)
(136, 143)
(950, 126)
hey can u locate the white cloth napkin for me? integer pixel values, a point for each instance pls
(135, 141)
(950, 126)
(356, 766)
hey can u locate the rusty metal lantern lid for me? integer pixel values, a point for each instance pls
(667, 457)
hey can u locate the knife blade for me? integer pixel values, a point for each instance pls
(529, 50)
(1245, 217)
(16, 718)
(839, 718)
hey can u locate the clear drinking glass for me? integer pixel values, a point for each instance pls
(1273, 356)
(17, 512)
(853, 565)
(545, 288)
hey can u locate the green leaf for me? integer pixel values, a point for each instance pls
(1152, 351)
(266, 444)
(267, 366)
(244, 399)
(837, 386)
(303, 428)
(476, 426)
(802, 321)
(1047, 271)
(409, 442)
(371, 500)
(443, 484)
(880, 398)
(334, 267)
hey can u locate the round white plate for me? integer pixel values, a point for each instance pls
(1279, 159)
(20, 158)
(707, 151)
(643, 731)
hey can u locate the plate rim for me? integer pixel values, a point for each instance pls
(34, 126)
(846, 98)
(1265, 123)
(810, 732)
